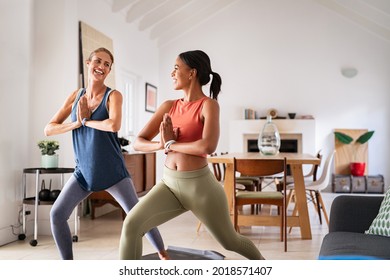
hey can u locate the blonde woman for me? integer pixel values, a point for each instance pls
(96, 113)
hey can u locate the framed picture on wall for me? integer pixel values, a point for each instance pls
(150, 98)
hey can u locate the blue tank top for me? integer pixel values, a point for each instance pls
(99, 159)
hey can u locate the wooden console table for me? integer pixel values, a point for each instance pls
(142, 169)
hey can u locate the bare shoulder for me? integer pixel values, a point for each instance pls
(72, 97)
(164, 108)
(210, 109)
(211, 104)
(115, 93)
(166, 105)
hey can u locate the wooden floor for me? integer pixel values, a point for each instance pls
(99, 239)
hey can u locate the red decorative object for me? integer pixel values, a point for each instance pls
(358, 168)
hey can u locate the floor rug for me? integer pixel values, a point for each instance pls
(178, 253)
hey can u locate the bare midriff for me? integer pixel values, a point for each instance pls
(184, 162)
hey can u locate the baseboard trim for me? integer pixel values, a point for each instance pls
(7, 236)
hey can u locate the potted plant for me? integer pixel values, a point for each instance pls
(48, 149)
(357, 168)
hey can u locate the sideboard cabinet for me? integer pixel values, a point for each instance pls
(142, 168)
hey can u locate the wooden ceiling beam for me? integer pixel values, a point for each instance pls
(193, 21)
(118, 5)
(161, 13)
(141, 8)
(179, 16)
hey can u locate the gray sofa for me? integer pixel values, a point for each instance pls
(350, 216)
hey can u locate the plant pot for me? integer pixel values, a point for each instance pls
(49, 161)
(358, 168)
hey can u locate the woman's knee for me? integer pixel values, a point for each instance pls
(58, 215)
(131, 225)
(130, 231)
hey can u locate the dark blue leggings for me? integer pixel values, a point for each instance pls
(72, 194)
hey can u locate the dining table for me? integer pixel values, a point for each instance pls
(295, 161)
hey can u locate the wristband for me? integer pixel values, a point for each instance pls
(168, 144)
(84, 121)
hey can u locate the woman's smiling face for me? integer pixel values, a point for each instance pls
(181, 74)
(99, 66)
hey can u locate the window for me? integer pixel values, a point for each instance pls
(129, 85)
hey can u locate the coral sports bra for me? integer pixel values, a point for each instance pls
(187, 117)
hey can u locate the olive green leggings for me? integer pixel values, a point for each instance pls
(178, 192)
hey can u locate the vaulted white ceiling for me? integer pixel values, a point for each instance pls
(165, 20)
(372, 15)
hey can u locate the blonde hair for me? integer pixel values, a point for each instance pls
(101, 50)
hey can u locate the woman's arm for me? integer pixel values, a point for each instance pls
(114, 121)
(209, 142)
(56, 125)
(144, 140)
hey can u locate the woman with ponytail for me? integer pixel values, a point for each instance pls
(189, 131)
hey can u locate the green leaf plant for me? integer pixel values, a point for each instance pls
(357, 144)
(48, 147)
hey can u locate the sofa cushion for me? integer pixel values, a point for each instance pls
(341, 243)
(381, 224)
(353, 213)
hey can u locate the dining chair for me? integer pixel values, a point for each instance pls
(260, 168)
(251, 183)
(311, 176)
(243, 184)
(314, 188)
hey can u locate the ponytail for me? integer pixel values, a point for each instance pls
(215, 86)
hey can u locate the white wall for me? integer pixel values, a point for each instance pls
(287, 55)
(14, 98)
(40, 69)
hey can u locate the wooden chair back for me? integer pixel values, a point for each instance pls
(217, 169)
(262, 168)
(315, 167)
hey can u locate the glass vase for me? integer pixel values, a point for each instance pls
(269, 139)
